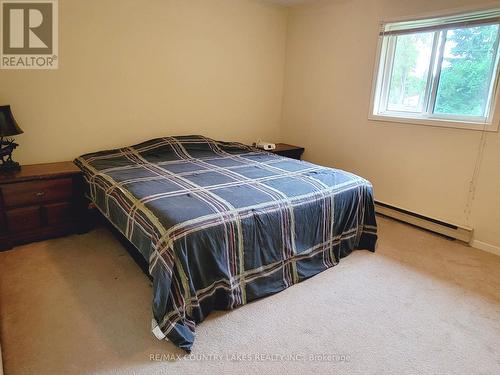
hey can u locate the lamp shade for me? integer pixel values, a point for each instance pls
(8, 124)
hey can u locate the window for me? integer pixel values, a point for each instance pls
(440, 71)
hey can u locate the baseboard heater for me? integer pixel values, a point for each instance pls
(437, 226)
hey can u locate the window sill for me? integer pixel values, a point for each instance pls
(478, 126)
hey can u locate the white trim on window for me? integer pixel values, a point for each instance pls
(460, 124)
(384, 64)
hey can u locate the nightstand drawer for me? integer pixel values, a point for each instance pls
(23, 219)
(57, 213)
(36, 192)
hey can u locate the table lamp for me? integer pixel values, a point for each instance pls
(8, 128)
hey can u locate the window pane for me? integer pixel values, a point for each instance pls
(410, 70)
(466, 71)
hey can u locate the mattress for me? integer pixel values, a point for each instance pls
(222, 224)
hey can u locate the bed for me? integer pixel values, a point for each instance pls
(222, 224)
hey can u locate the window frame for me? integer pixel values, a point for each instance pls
(382, 78)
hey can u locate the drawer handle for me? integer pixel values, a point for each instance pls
(40, 194)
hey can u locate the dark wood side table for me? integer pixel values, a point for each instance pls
(283, 149)
(39, 202)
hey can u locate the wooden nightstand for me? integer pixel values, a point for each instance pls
(40, 202)
(283, 149)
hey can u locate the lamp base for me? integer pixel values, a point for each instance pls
(10, 166)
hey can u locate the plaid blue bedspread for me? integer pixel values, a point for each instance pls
(222, 224)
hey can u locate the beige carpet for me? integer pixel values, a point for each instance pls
(420, 305)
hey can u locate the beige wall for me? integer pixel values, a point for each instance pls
(130, 70)
(331, 49)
